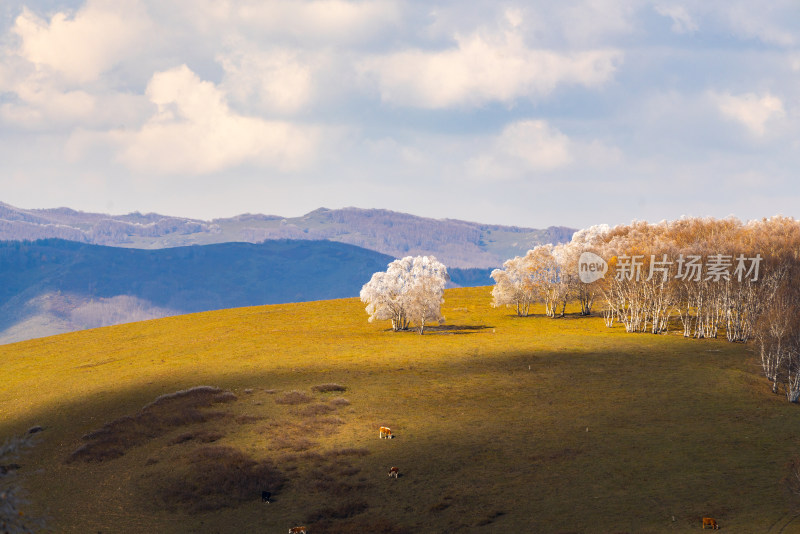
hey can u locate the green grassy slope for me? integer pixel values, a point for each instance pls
(503, 424)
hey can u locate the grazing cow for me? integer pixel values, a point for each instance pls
(297, 530)
(711, 523)
(265, 495)
(385, 432)
(393, 472)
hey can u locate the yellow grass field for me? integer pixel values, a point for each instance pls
(502, 424)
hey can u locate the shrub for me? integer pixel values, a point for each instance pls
(294, 398)
(326, 388)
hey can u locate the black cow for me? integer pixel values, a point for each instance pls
(265, 495)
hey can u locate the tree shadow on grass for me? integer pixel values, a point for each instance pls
(558, 316)
(446, 329)
(456, 329)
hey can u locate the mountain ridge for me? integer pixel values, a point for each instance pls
(455, 242)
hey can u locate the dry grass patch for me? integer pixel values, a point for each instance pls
(339, 402)
(343, 511)
(247, 419)
(159, 417)
(489, 519)
(347, 451)
(215, 477)
(347, 518)
(199, 436)
(361, 524)
(319, 422)
(327, 388)
(330, 481)
(292, 443)
(316, 409)
(331, 472)
(293, 398)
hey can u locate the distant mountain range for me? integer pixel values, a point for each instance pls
(54, 286)
(63, 270)
(455, 243)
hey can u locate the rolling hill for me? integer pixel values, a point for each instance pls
(502, 424)
(456, 243)
(54, 286)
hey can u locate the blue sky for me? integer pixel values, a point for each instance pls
(528, 113)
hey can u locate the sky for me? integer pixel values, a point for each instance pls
(535, 113)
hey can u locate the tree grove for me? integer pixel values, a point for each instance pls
(706, 277)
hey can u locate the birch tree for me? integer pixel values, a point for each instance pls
(528, 279)
(426, 294)
(384, 295)
(778, 329)
(719, 276)
(567, 255)
(411, 290)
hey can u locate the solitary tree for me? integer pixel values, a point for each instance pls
(411, 290)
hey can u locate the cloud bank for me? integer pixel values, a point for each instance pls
(206, 108)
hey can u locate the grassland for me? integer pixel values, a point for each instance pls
(503, 424)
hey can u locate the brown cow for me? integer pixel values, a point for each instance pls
(393, 472)
(385, 432)
(297, 530)
(707, 521)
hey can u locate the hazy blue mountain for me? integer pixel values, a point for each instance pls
(52, 286)
(455, 243)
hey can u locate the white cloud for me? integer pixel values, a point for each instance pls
(38, 100)
(522, 147)
(319, 20)
(536, 148)
(765, 21)
(44, 106)
(82, 47)
(276, 80)
(682, 22)
(751, 110)
(536, 144)
(483, 69)
(54, 72)
(587, 22)
(195, 132)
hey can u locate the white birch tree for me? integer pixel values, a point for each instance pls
(524, 280)
(411, 290)
(426, 294)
